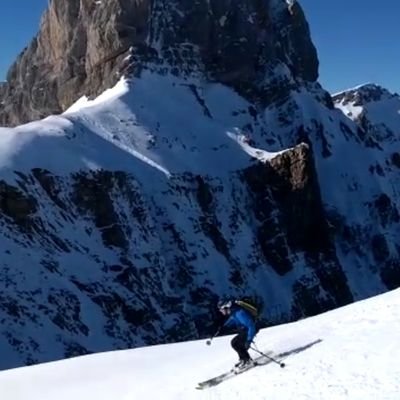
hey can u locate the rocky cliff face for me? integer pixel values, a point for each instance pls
(83, 47)
(218, 166)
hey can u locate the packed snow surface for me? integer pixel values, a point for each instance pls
(349, 353)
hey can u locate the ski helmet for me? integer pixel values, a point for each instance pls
(223, 305)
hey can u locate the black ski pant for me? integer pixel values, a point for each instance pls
(239, 345)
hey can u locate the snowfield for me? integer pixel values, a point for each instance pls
(154, 125)
(349, 353)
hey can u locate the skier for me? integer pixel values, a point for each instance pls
(243, 320)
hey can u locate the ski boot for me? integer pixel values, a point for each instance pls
(244, 364)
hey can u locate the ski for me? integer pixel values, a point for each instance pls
(259, 361)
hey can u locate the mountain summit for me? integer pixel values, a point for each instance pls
(83, 47)
(363, 95)
(374, 109)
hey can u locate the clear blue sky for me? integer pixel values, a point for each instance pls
(357, 41)
(19, 23)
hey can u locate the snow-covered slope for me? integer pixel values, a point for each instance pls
(138, 131)
(349, 353)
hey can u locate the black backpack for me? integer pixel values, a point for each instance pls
(249, 306)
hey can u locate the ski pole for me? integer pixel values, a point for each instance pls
(208, 342)
(281, 364)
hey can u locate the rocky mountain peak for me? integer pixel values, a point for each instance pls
(83, 47)
(376, 111)
(363, 95)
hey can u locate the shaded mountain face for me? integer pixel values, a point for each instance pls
(217, 167)
(376, 112)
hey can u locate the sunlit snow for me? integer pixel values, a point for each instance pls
(349, 353)
(128, 129)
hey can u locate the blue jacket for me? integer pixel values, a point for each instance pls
(242, 319)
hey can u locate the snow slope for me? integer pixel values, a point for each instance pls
(349, 353)
(125, 129)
